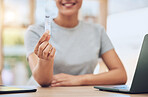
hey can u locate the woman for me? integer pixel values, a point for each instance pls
(77, 45)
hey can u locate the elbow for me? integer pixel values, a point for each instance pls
(123, 78)
(43, 82)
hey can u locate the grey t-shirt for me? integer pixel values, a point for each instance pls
(77, 49)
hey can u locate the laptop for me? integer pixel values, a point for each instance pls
(140, 79)
(16, 89)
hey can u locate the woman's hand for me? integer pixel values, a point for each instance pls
(42, 60)
(66, 80)
(44, 50)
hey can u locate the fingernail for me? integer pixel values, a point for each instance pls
(48, 36)
(54, 82)
(46, 32)
(52, 85)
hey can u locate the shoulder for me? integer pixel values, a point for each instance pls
(93, 26)
(36, 29)
(33, 33)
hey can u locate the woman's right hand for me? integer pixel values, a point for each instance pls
(42, 61)
(44, 50)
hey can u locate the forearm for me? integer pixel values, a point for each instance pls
(43, 73)
(115, 76)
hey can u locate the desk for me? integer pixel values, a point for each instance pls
(81, 91)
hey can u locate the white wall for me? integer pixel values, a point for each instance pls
(126, 31)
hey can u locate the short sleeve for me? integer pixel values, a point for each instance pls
(106, 44)
(30, 40)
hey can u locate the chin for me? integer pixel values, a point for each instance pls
(69, 13)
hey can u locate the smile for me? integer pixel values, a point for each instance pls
(68, 4)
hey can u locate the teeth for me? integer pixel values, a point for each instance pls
(67, 5)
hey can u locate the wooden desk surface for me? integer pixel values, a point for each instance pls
(81, 91)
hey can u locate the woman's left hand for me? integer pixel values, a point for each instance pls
(66, 80)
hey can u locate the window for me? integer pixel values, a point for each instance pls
(16, 20)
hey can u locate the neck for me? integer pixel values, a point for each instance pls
(67, 21)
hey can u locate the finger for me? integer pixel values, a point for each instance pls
(41, 49)
(64, 83)
(54, 81)
(50, 50)
(59, 76)
(48, 32)
(55, 77)
(46, 51)
(53, 85)
(48, 37)
(53, 52)
(42, 39)
(58, 80)
(56, 84)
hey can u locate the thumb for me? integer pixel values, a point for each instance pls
(48, 32)
(48, 37)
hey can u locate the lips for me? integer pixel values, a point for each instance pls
(69, 4)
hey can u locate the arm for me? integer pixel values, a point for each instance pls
(41, 61)
(116, 74)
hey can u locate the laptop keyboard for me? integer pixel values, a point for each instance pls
(122, 87)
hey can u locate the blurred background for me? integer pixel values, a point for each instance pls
(125, 22)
